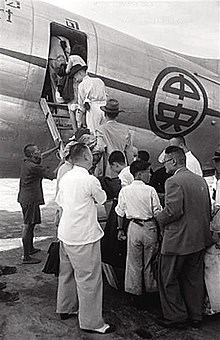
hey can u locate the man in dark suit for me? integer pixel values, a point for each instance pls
(184, 224)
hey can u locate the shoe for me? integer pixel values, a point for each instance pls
(34, 251)
(142, 333)
(107, 330)
(171, 324)
(2, 285)
(7, 270)
(31, 260)
(66, 316)
(9, 296)
(72, 138)
(195, 324)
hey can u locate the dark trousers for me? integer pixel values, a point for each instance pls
(181, 286)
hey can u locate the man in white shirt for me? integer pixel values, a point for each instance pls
(80, 276)
(91, 96)
(140, 203)
(192, 162)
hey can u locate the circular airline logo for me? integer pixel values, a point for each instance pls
(178, 103)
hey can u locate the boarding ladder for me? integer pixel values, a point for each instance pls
(58, 121)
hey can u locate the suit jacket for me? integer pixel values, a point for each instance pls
(115, 136)
(185, 220)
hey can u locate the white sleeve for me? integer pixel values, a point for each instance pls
(121, 206)
(155, 202)
(98, 194)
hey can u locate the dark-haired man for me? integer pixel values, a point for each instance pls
(184, 223)
(30, 196)
(139, 203)
(80, 277)
(118, 165)
(192, 162)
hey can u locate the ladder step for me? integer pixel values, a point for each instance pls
(57, 104)
(61, 127)
(60, 116)
(52, 126)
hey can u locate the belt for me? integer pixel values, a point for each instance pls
(141, 222)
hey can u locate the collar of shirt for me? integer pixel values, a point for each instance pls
(79, 169)
(138, 182)
(111, 121)
(182, 168)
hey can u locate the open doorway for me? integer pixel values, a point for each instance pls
(57, 82)
(66, 38)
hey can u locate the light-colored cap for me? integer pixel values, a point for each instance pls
(161, 157)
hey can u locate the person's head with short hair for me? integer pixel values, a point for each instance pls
(111, 109)
(67, 150)
(78, 72)
(141, 170)
(174, 159)
(33, 153)
(143, 155)
(179, 141)
(81, 155)
(117, 161)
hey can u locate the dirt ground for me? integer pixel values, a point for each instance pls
(33, 315)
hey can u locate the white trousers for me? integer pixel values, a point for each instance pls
(80, 283)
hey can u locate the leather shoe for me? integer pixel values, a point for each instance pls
(3, 285)
(66, 316)
(31, 260)
(171, 324)
(195, 323)
(7, 270)
(34, 251)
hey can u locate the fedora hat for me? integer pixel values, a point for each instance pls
(76, 68)
(217, 154)
(112, 106)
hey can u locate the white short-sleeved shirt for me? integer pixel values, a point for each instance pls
(77, 195)
(138, 200)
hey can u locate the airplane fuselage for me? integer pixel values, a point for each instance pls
(161, 93)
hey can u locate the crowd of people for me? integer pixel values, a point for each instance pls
(158, 224)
